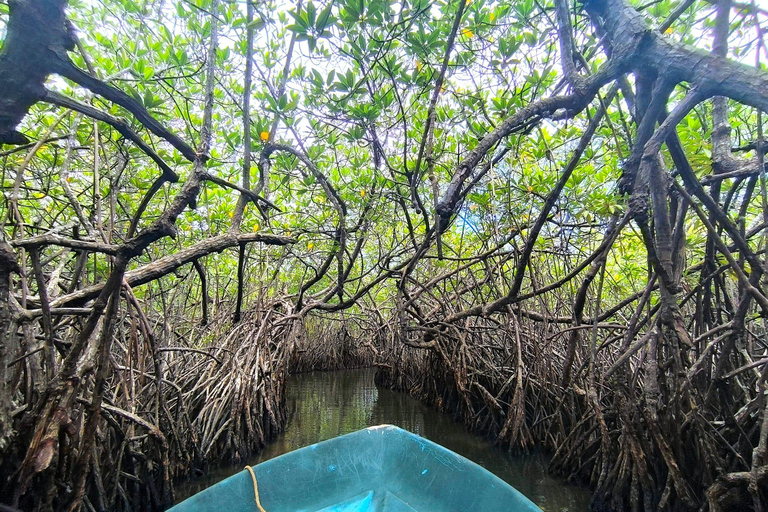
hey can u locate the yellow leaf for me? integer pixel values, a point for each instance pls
(264, 136)
(468, 33)
(256, 227)
(419, 65)
(362, 193)
(492, 16)
(530, 188)
(310, 245)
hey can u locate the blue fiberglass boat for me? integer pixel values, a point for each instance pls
(378, 469)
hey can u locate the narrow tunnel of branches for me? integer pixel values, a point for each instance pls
(548, 219)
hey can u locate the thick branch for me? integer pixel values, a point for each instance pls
(118, 124)
(168, 264)
(71, 243)
(642, 47)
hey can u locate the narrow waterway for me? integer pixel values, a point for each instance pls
(323, 405)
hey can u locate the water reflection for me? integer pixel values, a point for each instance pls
(324, 405)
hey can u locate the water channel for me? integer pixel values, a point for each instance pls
(323, 405)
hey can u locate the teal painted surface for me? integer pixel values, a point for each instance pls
(356, 504)
(325, 405)
(378, 469)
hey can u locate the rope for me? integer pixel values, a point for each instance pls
(255, 489)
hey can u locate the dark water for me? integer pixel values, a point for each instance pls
(324, 405)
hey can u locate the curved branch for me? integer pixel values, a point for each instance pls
(67, 69)
(118, 124)
(640, 47)
(71, 243)
(168, 264)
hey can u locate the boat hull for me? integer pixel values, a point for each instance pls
(378, 469)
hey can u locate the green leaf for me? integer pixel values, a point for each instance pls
(324, 19)
(311, 14)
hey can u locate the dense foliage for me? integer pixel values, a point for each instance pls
(547, 217)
